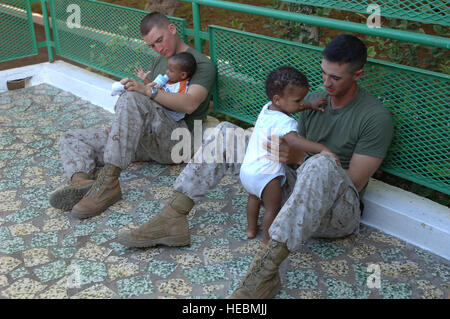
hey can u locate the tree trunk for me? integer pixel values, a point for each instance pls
(167, 7)
(309, 32)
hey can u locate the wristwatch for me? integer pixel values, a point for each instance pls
(154, 92)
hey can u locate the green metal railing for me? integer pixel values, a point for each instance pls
(17, 38)
(417, 99)
(406, 36)
(108, 39)
(112, 43)
(426, 11)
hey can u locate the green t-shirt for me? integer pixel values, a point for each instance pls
(364, 126)
(204, 75)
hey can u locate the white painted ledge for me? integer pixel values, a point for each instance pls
(412, 218)
(80, 82)
(402, 214)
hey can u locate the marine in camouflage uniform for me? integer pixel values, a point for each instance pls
(319, 198)
(141, 129)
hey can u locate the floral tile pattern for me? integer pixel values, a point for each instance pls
(45, 253)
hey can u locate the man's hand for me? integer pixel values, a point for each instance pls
(153, 84)
(292, 148)
(133, 85)
(327, 151)
(315, 104)
(281, 151)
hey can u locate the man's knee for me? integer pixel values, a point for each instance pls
(223, 126)
(218, 133)
(131, 95)
(235, 140)
(320, 161)
(66, 137)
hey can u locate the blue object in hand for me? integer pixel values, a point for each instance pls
(161, 80)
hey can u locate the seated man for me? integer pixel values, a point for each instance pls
(321, 198)
(141, 129)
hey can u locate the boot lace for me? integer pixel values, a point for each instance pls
(259, 264)
(98, 182)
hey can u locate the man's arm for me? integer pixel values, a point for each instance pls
(361, 168)
(289, 153)
(181, 102)
(292, 148)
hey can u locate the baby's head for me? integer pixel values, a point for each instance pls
(181, 66)
(286, 87)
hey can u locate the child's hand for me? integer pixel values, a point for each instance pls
(141, 74)
(314, 104)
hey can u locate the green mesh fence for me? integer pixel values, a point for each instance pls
(17, 37)
(243, 61)
(107, 37)
(418, 100)
(427, 11)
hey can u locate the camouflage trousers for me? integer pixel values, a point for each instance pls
(319, 199)
(141, 131)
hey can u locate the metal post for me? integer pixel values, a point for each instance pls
(48, 37)
(197, 25)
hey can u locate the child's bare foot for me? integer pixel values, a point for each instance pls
(251, 232)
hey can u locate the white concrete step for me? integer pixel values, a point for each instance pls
(412, 218)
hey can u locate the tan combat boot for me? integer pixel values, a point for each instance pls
(66, 197)
(170, 227)
(262, 280)
(104, 192)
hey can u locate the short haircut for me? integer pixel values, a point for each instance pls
(151, 20)
(186, 62)
(281, 77)
(346, 48)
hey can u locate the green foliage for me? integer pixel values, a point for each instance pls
(294, 31)
(237, 25)
(411, 54)
(434, 59)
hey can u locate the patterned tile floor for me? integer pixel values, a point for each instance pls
(44, 253)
